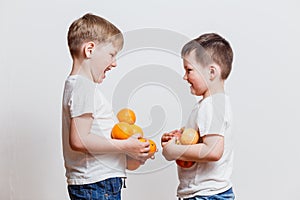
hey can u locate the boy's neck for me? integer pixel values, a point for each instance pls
(80, 67)
(215, 88)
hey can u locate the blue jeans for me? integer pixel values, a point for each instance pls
(109, 189)
(227, 195)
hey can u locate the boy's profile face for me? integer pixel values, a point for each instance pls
(102, 60)
(196, 75)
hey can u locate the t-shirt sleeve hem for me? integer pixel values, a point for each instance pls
(212, 133)
(79, 113)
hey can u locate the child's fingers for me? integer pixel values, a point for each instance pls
(181, 129)
(165, 138)
(164, 141)
(145, 144)
(146, 150)
(137, 135)
(171, 141)
(143, 156)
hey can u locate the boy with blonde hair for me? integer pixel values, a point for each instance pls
(95, 163)
(207, 61)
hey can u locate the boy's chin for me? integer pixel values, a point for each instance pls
(101, 78)
(193, 92)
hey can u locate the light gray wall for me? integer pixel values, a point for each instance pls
(263, 87)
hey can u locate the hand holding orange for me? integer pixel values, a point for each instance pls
(153, 148)
(188, 137)
(127, 127)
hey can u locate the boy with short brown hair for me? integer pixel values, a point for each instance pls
(207, 62)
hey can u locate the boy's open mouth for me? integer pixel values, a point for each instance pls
(107, 69)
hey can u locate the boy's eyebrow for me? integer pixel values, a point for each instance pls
(187, 63)
(186, 67)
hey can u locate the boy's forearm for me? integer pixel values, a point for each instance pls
(92, 143)
(198, 153)
(82, 140)
(210, 150)
(96, 144)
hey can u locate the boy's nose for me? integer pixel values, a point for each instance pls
(113, 64)
(185, 77)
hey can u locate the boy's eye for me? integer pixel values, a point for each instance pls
(189, 70)
(113, 54)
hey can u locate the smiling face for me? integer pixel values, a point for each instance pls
(196, 75)
(102, 60)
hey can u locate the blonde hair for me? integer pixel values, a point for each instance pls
(92, 28)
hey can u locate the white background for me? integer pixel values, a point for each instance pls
(263, 87)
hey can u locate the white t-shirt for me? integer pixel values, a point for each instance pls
(211, 115)
(83, 96)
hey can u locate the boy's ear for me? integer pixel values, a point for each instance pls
(89, 47)
(214, 71)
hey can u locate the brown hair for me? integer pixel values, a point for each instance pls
(211, 47)
(92, 28)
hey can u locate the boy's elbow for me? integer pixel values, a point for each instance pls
(214, 148)
(215, 156)
(77, 145)
(168, 159)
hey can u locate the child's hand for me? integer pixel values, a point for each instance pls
(150, 155)
(133, 164)
(168, 136)
(137, 149)
(173, 151)
(165, 138)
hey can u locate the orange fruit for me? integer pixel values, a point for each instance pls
(189, 136)
(185, 164)
(126, 115)
(142, 139)
(136, 129)
(121, 130)
(152, 144)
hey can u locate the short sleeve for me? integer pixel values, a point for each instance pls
(82, 101)
(211, 118)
